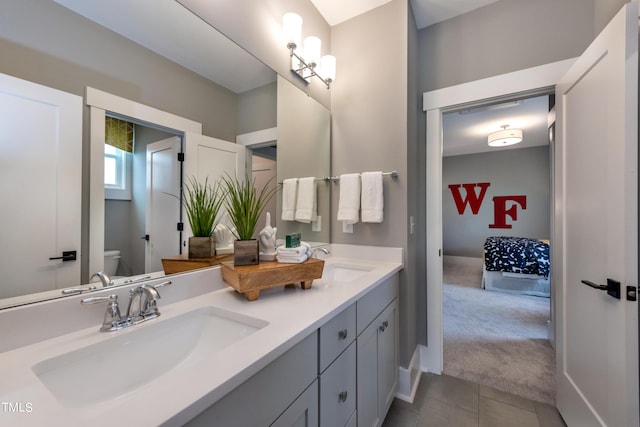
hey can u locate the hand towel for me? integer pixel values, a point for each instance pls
(306, 201)
(292, 259)
(300, 250)
(349, 202)
(372, 201)
(289, 190)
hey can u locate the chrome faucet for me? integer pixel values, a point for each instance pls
(104, 278)
(321, 249)
(142, 303)
(142, 307)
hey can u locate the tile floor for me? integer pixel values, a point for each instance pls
(442, 401)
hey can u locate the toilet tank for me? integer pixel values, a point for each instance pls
(111, 260)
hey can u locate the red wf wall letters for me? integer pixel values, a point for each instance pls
(474, 199)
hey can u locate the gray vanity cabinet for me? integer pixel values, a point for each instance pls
(283, 393)
(344, 374)
(377, 353)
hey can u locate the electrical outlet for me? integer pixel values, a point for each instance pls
(347, 228)
(317, 224)
(412, 225)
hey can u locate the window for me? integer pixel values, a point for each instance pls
(118, 148)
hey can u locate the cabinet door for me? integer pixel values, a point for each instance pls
(367, 361)
(303, 412)
(377, 361)
(387, 357)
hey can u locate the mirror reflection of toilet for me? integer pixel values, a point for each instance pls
(111, 261)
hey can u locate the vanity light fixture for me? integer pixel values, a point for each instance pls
(505, 137)
(306, 61)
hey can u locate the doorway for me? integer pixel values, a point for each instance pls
(130, 219)
(495, 319)
(537, 80)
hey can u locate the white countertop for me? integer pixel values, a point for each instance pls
(178, 395)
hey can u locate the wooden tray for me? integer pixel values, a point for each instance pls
(180, 263)
(251, 279)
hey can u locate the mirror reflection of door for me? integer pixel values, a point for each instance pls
(163, 207)
(136, 214)
(263, 172)
(40, 167)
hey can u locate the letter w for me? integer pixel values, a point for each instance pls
(472, 199)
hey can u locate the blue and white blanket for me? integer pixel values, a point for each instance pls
(517, 255)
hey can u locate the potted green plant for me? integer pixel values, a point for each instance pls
(244, 204)
(202, 203)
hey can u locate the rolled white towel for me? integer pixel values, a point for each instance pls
(292, 259)
(302, 249)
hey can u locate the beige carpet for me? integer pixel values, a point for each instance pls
(494, 338)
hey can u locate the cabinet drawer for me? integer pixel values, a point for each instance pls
(336, 335)
(370, 305)
(338, 390)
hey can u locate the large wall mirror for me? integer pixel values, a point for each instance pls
(297, 145)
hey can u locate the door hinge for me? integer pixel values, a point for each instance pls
(180, 226)
(181, 157)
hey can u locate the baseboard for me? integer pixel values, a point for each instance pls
(429, 363)
(409, 378)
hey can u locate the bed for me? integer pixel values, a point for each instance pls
(516, 265)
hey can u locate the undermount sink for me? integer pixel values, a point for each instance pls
(344, 272)
(118, 365)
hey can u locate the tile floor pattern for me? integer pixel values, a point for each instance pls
(443, 401)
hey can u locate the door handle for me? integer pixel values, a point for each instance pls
(612, 287)
(66, 256)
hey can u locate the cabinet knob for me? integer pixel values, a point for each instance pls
(342, 397)
(343, 334)
(385, 323)
(382, 328)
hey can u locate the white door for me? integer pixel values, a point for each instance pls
(40, 186)
(206, 157)
(597, 234)
(163, 203)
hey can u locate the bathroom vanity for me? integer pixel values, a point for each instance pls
(324, 356)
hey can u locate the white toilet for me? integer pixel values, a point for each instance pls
(111, 261)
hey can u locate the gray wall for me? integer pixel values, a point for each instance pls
(510, 172)
(257, 108)
(505, 36)
(370, 132)
(604, 11)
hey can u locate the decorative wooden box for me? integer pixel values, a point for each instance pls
(181, 263)
(251, 279)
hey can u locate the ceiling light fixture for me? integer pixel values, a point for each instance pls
(305, 60)
(505, 137)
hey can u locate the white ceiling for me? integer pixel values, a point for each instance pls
(427, 12)
(466, 131)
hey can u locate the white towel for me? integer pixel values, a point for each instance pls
(292, 259)
(349, 202)
(306, 203)
(289, 190)
(372, 203)
(300, 250)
